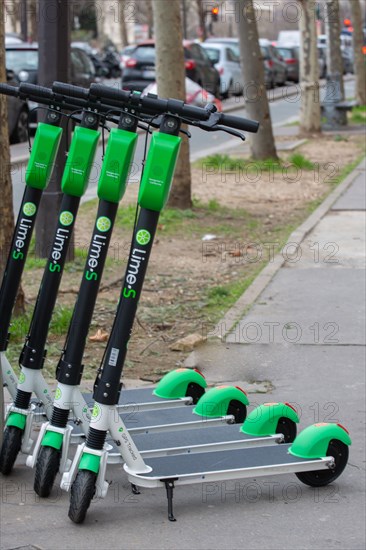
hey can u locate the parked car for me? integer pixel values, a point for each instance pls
(100, 69)
(195, 95)
(22, 59)
(139, 69)
(290, 54)
(276, 73)
(290, 38)
(125, 54)
(18, 113)
(226, 59)
(275, 70)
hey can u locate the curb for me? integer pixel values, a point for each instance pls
(235, 313)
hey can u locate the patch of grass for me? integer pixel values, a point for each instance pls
(358, 115)
(301, 162)
(59, 324)
(251, 166)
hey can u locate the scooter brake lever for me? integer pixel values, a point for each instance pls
(229, 131)
(186, 132)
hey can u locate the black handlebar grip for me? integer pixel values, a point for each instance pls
(70, 91)
(239, 123)
(9, 90)
(99, 91)
(30, 90)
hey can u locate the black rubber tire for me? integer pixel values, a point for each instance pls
(47, 466)
(195, 391)
(319, 478)
(288, 428)
(82, 492)
(12, 441)
(20, 132)
(238, 410)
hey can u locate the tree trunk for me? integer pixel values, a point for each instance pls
(170, 74)
(202, 19)
(6, 189)
(310, 122)
(334, 54)
(150, 18)
(12, 14)
(33, 23)
(359, 58)
(262, 144)
(122, 22)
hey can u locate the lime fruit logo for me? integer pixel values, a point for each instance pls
(143, 237)
(104, 224)
(29, 209)
(96, 410)
(58, 394)
(66, 218)
(21, 378)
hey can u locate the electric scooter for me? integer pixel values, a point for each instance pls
(38, 173)
(318, 455)
(74, 182)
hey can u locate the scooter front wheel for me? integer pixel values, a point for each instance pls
(48, 464)
(12, 441)
(319, 478)
(82, 493)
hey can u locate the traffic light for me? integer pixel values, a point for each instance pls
(347, 22)
(215, 13)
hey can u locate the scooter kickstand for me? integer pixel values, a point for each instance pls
(135, 489)
(169, 485)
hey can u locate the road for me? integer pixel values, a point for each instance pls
(283, 111)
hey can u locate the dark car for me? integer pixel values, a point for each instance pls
(290, 55)
(139, 69)
(18, 113)
(22, 59)
(275, 69)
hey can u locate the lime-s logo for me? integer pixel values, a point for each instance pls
(91, 276)
(21, 378)
(18, 255)
(143, 237)
(54, 267)
(103, 224)
(66, 218)
(58, 394)
(129, 293)
(29, 209)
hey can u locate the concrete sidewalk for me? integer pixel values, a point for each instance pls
(303, 340)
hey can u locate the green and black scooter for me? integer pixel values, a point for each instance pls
(17, 434)
(38, 173)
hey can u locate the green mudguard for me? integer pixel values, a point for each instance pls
(263, 420)
(313, 442)
(175, 384)
(216, 402)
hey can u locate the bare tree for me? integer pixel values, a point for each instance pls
(262, 144)
(33, 22)
(310, 121)
(202, 18)
(12, 14)
(334, 54)
(122, 23)
(359, 62)
(171, 83)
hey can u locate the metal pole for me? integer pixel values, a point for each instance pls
(54, 55)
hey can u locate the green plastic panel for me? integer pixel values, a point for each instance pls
(116, 165)
(16, 419)
(52, 439)
(263, 420)
(159, 170)
(90, 462)
(80, 161)
(215, 402)
(174, 385)
(43, 155)
(314, 440)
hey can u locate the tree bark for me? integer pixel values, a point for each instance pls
(150, 18)
(122, 23)
(33, 22)
(202, 19)
(334, 54)
(262, 144)
(170, 72)
(359, 58)
(310, 122)
(6, 189)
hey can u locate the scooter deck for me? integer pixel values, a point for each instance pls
(221, 465)
(139, 399)
(178, 418)
(194, 441)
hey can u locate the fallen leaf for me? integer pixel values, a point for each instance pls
(99, 336)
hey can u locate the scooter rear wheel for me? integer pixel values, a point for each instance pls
(82, 492)
(319, 478)
(12, 441)
(287, 428)
(48, 464)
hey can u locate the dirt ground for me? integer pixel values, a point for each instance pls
(202, 259)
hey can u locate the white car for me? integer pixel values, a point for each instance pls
(226, 58)
(195, 95)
